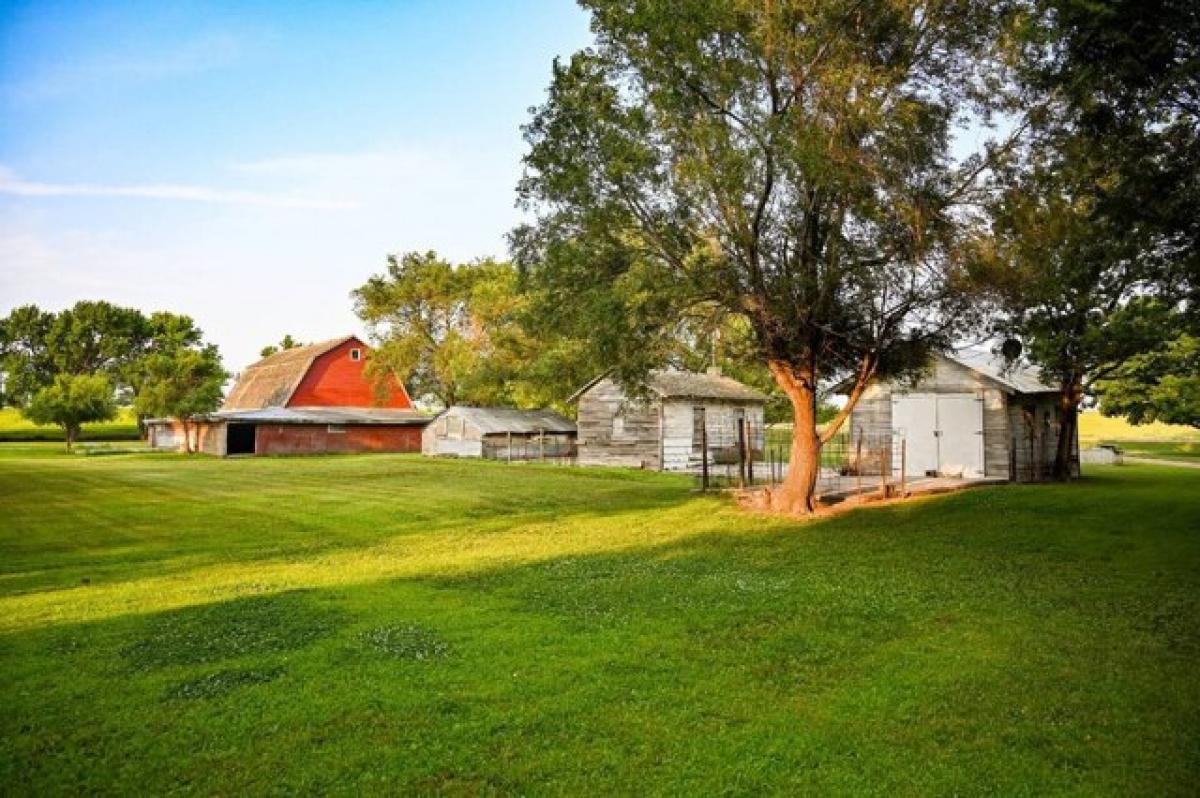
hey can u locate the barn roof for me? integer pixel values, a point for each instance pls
(271, 381)
(493, 420)
(677, 384)
(322, 415)
(1014, 377)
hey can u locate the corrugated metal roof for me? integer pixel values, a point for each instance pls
(271, 381)
(677, 384)
(1019, 378)
(493, 420)
(322, 415)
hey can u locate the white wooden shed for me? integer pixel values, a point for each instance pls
(499, 433)
(970, 415)
(667, 430)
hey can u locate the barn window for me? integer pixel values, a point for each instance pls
(336, 428)
(698, 419)
(356, 354)
(618, 429)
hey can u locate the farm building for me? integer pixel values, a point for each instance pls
(968, 416)
(500, 433)
(669, 430)
(308, 400)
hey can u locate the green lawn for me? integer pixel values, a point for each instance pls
(391, 624)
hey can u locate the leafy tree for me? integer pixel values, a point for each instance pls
(72, 400)
(285, 343)
(1098, 217)
(1162, 385)
(449, 332)
(181, 383)
(788, 163)
(25, 359)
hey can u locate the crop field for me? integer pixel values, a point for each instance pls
(394, 624)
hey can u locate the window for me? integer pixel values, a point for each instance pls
(356, 354)
(698, 420)
(618, 429)
(336, 429)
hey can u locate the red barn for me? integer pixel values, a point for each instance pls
(308, 400)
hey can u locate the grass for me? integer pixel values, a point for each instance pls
(16, 428)
(401, 625)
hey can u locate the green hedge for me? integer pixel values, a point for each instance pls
(16, 429)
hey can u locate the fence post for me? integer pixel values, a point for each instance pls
(509, 436)
(541, 444)
(741, 428)
(883, 454)
(858, 464)
(750, 453)
(903, 467)
(770, 462)
(704, 456)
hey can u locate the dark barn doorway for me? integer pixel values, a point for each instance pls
(239, 439)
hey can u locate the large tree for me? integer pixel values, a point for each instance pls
(787, 162)
(181, 383)
(1159, 385)
(1097, 218)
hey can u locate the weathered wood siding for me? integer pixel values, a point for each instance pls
(873, 413)
(681, 449)
(207, 437)
(634, 441)
(1034, 439)
(451, 434)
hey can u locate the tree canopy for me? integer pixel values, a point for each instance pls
(788, 163)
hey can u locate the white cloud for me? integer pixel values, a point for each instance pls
(12, 185)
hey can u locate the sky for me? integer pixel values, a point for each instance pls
(250, 164)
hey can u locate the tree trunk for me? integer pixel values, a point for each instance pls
(72, 434)
(797, 492)
(187, 436)
(1068, 422)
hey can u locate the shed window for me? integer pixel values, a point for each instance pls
(356, 354)
(618, 429)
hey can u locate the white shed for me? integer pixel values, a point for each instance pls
(499, 433)
(667, 431)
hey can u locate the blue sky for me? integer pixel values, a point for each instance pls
(251, 163)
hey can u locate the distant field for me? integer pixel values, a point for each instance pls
(15, 428)
(1168, 441)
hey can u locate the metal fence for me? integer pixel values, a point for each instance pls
(523, 448)
(744, 455)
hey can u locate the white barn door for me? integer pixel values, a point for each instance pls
(943, 433)
(914, 418)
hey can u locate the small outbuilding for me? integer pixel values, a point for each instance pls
(970, 415)
(500, 433)
(684, 412)
(312, 399)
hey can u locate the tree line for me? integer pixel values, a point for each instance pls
(78, 365)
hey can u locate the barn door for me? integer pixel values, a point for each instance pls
(960, 434)
(914, 418)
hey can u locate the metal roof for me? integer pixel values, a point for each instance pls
(493, 420)
(321, 415)
(1016, 377)
(677, 384)
(271, 381)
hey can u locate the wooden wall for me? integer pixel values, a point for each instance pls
(679, 447)
(208, 437)
(636, 444)
(334, 380)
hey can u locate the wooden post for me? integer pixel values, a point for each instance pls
(741, 427)
(704, 456)
(858, 464)
(541, 444)
(883, 453)
(750, 454)
(903, 467)
(770, 464)
(509, 435)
